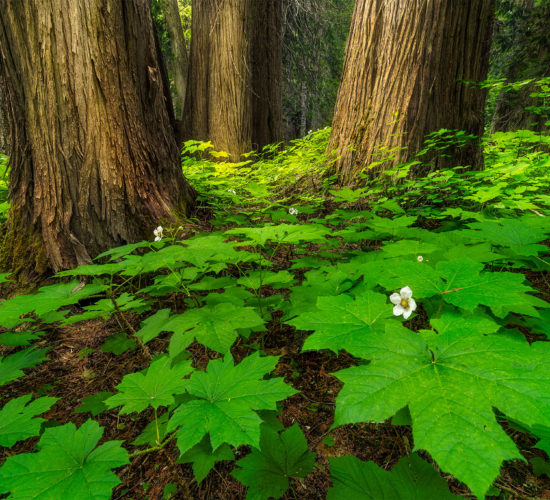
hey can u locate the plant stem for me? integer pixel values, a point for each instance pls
(157, 427)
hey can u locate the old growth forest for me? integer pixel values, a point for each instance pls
(274, 249)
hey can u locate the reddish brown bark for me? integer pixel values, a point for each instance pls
(94, 158)
(234, 89)
(403, 78)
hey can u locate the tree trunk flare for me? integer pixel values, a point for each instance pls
(94, 162)
(406, 63)
(234, 87)
(180, 64)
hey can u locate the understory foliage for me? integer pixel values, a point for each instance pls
(288, 249)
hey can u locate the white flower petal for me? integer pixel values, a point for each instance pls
(406, 293)
(158, 238)
(407, 313)
(395, 298)
(412, 305)
(398, 310)
(420, 258)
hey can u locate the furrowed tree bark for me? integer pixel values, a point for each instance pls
(180, 64)
(406, 63)
(234, 88)
(94, 160)
(4, 127)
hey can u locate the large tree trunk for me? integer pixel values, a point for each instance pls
(94, 162)
(403, 78)
(180, 63)
(234, 93)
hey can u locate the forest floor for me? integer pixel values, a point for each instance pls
(79, 366)
(71, 376)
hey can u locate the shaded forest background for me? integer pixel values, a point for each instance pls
(314, 43)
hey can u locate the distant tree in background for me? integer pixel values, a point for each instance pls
(234, 90)
(403, 78)
(173, 25)
(521, 50)
(94, 160)
(315, 33)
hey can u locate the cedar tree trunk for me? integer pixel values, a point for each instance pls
(406, 61)
(234, 88)
(180, 63)
(94, 160)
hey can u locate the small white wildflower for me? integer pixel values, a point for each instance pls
(310, 131)
(232, 191)
(293, 211)
(420, 258)
(158, 233)
(403, 302)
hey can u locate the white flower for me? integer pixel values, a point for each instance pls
(420, 258)
(403, 302)
(232, 191)
(158, 233)
(293, 211)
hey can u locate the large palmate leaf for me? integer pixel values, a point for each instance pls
(515, 234)
(48, 298)
(213, 326)
(266, 471)
(341, 322)
(67, 466)
(11, 367)
(154, 386)
(226, 395)
(318, 282)
(451, 383)
(282, 233)
(502, 292)
(18, 422)
(411, 479)
(461, 283)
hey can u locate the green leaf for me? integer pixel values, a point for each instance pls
(540, 467)
(226, 395)
(204, 458)
(281, 456)
(458, 321)
(451, 383)
(153, 325)
(48, 298)
(503, 292)
(13, 339)
(542, 432)
(282, 233)
(95, 403)
(118, 343)
(67, 466)
(104, 308)
(342, 322)
(423, 279)
(213, 326)
(154, 386)
(516, 234)
(256, 279)
(11, 367)
(18, 422)
(412, 478)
